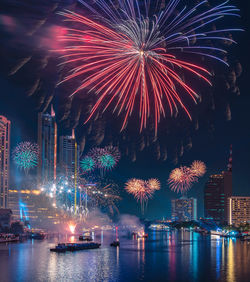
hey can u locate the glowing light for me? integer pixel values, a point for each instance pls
(132, 59)
(72, 228)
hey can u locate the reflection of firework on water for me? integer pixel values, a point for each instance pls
(130, 57)
(198, 168)
(181, 179)
(87, 164)
(140, 190)
(154, 184)
(25, 155)
(106, 158)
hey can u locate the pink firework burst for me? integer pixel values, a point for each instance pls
(198, 168)
(140, 190)
(181, 179)
(154, 184)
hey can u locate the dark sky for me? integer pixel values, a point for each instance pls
(214, 151)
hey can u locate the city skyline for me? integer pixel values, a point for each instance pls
(124, 140)
(227, 167)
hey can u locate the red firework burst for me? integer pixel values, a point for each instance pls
(130, 59)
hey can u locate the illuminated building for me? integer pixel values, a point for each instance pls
(217, 190)
(4, 160)
(34, 208)
(238, 210)
(184, 209)
(68, 155)
(47, 141)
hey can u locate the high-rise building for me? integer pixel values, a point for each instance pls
(47, 141)
(217, 190)
(32, 207)
(68, 155)
(238, 210)
(4, 160)
(184, 209)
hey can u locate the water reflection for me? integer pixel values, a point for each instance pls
(164, 256)
(230, 261)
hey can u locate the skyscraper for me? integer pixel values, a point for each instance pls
(184, 209)
(68, 155)
(47, 141)
(238, 210)
(4, 160)
(217, 191)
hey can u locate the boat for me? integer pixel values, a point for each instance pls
(85, 238)
(37, 236)
(7, 238)
(60, 248)
(63, 247)
(115, 244)
(140, 234)
(245, 238)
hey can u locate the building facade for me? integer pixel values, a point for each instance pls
(238, 210)
(184, 209)
(217, 191)
(47, 141)
(68, 155)
(4, 160)
(5, 219)
(34, 210)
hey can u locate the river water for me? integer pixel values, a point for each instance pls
(164, 256)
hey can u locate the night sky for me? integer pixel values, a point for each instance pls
(213, 150)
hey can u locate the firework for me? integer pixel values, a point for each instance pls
(72, 227)
(198, 168)
(104, 194)
(106, 158)
(140, 190)
(181, 179)
(25, 155)
(87, 164)
(154, 184)
(131, 59)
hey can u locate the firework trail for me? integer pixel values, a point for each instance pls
(198, 168)
(181, 179)
(134, 61)
(25, 155)
(104, 194)
(140, 190)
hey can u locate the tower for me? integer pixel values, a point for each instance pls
(69, 160)
(184, 209)
(217, 191)
(4, 160)
(68, 155)
(47, 141)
